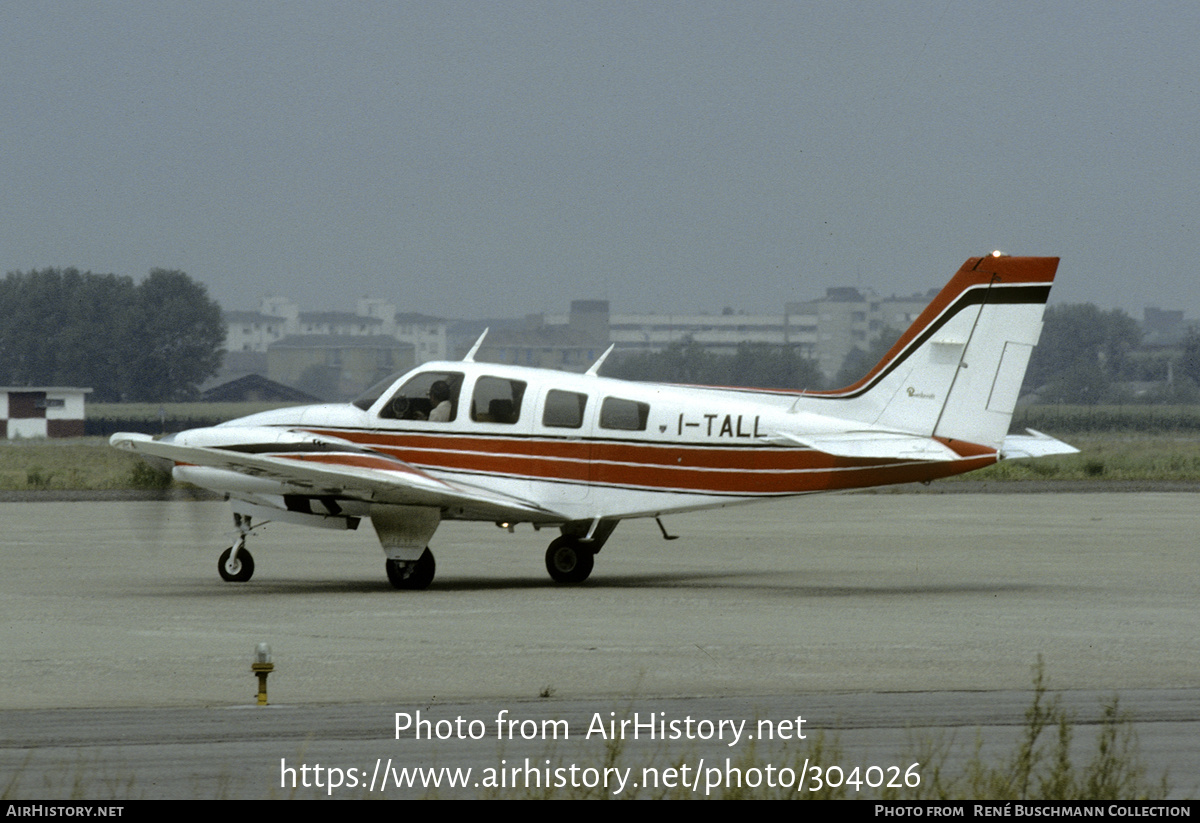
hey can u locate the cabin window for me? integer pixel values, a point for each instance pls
(564, 409)
(497, 400)
(626, 415)
(422, 398)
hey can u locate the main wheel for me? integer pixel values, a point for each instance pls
(412, 575)
(569, 561)
(235, 571)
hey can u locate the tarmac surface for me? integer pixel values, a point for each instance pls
(126, 660)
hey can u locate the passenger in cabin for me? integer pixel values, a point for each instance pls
(439, 402)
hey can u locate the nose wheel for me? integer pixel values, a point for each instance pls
(236, 569)
(235, 565)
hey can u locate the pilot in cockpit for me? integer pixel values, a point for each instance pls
(439, 402)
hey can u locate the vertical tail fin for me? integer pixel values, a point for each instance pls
(956, 372)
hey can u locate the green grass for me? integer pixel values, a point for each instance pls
(186, 411)
(90, 464)
(1107, 457)
(1143, 419)
(85, 463)
(160, 418)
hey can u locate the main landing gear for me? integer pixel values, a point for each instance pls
(236, 565)
(412, 574)
(570, 558)
(569, 561)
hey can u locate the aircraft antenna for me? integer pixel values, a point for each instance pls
(595, 369)
(470, 356)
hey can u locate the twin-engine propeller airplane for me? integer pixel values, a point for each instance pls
(481, 441)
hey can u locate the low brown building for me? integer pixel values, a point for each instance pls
(41, 411)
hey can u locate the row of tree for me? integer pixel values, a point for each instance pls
(157, 340)
(1189, 362)
(1088, 356)
(1083, 354)
(152, 341)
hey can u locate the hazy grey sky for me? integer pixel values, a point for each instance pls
(472, 159)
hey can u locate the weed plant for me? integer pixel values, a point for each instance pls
(1046, 763)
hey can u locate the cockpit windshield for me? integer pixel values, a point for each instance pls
(430, 395)
(367, 399)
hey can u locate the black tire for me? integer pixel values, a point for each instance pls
(413, 577)
(569, 561)
(244, 570)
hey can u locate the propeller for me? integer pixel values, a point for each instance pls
(167, 513)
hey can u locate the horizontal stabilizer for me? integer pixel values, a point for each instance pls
(875, 445)
(1034, 444)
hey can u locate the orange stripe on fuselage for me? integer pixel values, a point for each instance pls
(757, 470)
(418, 447)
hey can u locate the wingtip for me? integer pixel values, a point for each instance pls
(125, 440)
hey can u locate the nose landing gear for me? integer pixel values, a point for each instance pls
(236, 565)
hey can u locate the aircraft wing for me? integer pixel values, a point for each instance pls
(328, 467)
(1034, 444)
(874, 444)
